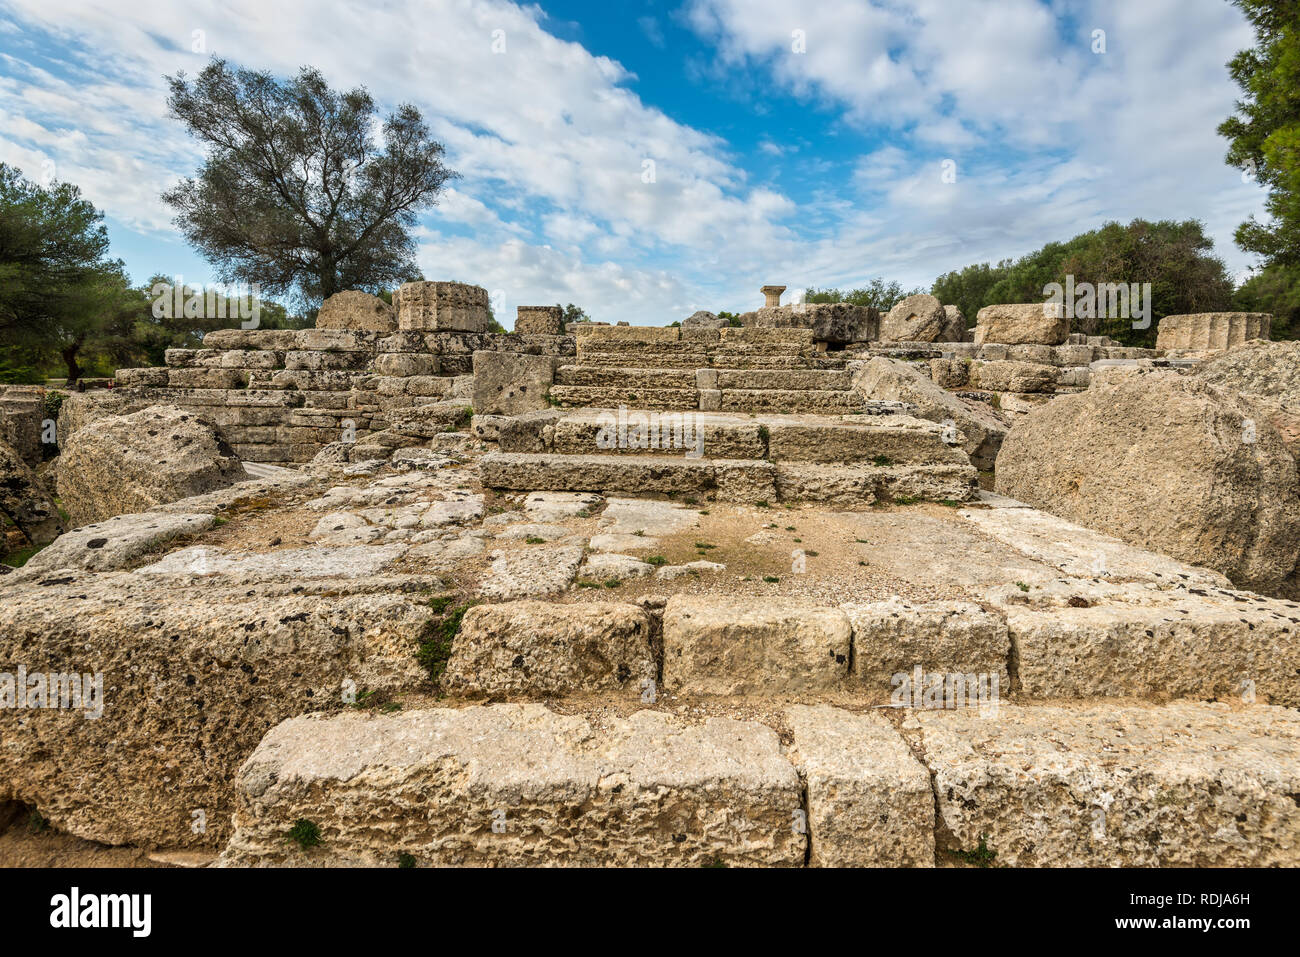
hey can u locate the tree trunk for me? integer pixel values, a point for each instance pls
(70, 360)
(328, 279)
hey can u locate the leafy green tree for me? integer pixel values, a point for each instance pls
(968, 288)
(138, 337)
(295, 194)
(1275, 290)
(1264, 133)
(1175, 257)
(879, 294)
(574, 313)
(56, 283)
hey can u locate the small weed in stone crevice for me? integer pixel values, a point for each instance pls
(436, 640)
(656, 560)
(304, 833)
(982, 856)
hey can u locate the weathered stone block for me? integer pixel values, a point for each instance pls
(543, 648)
(507, 383)
(442, 306)
(869, 799)
(1036, 322)
(733, 646)
(1189, 784)
(206, 672)
(539, 320)
(353, 309)
(891, 638)
(517, 784)
(1206, 331)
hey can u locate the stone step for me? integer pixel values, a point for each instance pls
(727, 480)
(645, 360)
(879, 439)
(790, 400)
(624, 378)
(723, 480)
(726, 400)
(1184, 784)
(703, 378)
(579, 396)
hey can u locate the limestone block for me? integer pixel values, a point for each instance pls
(891, 638)
(442, 306)
(918, 318)
(512, 784)
(507, 383)
(733, 646)
(353, 309)
(1029, 322)
(539, 320)
(869, 799)
(544, 648)
(1185, 785)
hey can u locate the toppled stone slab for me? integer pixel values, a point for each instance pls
(133, 463)
(977, 427)
(1190, 785)
(728, 646)
(1266, 373)
(532, 572)
(892, 638)
(517, 784)
(115, 542)
(346, 561)
(543, 648)
(188, 679)
(1170, 463)
(1080, 551)
(869, 799)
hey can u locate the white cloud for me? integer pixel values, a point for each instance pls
(1048, 139)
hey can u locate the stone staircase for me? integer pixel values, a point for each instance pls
(738, 414)
(730, 370)
(851, 459)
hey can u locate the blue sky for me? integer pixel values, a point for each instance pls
(802, 143)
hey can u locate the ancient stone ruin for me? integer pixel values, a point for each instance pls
(822, 588)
